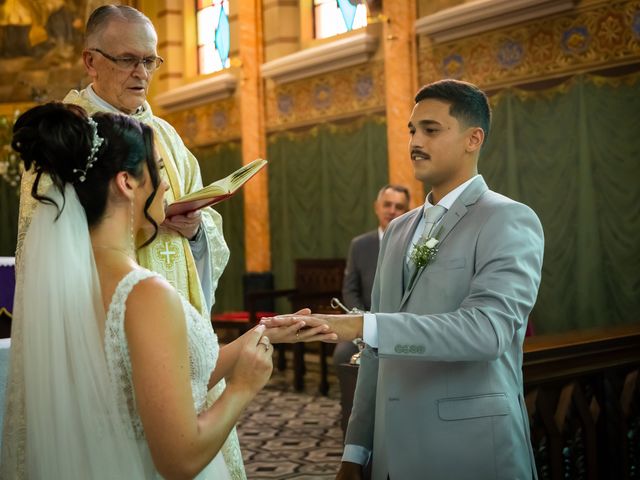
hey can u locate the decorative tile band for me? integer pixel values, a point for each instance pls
(598, 35)
(207, 124)
(342, 93)
(348, 92)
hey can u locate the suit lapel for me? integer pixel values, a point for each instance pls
(458, 210)
(405, 234)
(410, 229)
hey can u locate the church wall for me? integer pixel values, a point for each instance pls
(428, 7)
(40, 59)
(40, 49)
(349, 92)
(40, 45)
(593, 36)
(344, 93)
(282, 27)
(548, 81)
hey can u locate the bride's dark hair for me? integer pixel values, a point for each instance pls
(56, 139)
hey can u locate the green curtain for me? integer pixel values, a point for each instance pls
(572, 154)
(217, 162)
(9, 201)
(322, 185)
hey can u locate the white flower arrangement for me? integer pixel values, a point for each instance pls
(425, 251)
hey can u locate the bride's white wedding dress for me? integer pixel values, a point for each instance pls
(203, 355)
(71, 384)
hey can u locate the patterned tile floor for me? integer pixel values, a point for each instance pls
(285, 434)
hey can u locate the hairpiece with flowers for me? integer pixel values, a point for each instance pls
(96, 143)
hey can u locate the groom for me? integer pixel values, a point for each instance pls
(439, 392)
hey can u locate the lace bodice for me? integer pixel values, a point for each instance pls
(203, 347)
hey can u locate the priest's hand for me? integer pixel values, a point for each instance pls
(186, 225)
(349, 471)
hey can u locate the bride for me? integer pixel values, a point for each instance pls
(117, 364)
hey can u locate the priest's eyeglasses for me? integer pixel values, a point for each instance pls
(150, 64)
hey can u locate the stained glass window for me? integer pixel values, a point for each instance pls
(332, 17)
(212, 17)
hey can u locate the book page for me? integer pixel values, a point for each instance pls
(217, 191)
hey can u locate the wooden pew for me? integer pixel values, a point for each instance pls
(582, 395)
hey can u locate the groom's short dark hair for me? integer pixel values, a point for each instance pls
(469, 104)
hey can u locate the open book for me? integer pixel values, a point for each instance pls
(215, 192)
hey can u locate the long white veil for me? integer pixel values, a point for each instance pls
(77, 423)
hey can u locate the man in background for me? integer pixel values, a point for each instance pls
(392, 201)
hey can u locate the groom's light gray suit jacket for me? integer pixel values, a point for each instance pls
(442, 396)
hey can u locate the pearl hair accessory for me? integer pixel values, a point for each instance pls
(96, 143)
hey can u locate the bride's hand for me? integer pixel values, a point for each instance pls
(254, 365)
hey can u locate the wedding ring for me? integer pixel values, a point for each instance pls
(297, 334)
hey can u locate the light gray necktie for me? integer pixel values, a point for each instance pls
(431, 216)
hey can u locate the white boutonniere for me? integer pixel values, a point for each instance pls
(424, 251)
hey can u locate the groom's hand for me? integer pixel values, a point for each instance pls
(303, 318)
(346, 327)
(292, 329)
(349, 471)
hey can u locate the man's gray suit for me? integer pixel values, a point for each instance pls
(356, 292)
(447, 376)
(361, 270)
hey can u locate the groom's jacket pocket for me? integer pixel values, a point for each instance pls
(447, 264)
(460, 408)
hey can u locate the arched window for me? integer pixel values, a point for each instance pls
(212, 18)
(332, 17)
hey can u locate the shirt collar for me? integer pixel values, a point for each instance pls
(104, 105)
(450, 197)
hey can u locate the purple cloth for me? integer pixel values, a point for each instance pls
(7, 285)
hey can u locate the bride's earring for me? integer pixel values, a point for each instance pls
(132, 237)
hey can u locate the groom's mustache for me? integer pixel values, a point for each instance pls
(417, 154)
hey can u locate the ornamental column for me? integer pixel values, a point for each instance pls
(256, 195)
(168, 20)
(400, 80)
